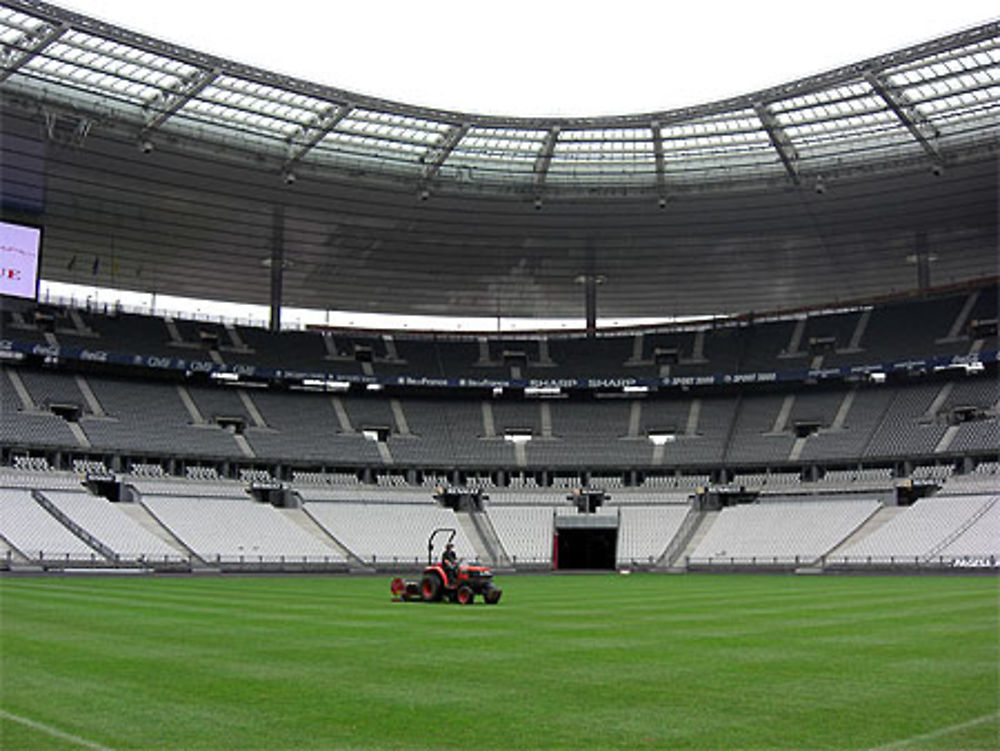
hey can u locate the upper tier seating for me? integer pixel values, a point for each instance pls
(150, 417)
(26, 425)
(873, 334)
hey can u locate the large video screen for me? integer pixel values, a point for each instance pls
(20, 253)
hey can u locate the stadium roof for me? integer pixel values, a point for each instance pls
(929, 103)
(250, 186)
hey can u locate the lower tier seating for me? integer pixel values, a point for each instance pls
(781, 532)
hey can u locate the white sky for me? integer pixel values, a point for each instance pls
(545, 57)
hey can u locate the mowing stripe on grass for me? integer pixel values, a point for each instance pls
(596, 662)
(54, 732)
(939, 733)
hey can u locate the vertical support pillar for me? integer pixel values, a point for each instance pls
(923, 262)
(277, 264)
(590, 303)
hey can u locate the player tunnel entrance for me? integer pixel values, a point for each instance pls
(587, 541)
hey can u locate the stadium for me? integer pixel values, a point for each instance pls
(776, 408)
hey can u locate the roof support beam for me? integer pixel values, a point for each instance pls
(170, 102)
(544, 159)
(27, 48)
(661, 178)
(436, 155)
(921, 130)
(779, 140)
(310, 135)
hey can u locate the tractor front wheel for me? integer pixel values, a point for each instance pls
(465, 595)
(431, 587)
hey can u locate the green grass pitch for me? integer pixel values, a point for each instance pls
(586, 661)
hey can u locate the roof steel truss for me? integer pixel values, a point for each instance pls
(170, 102)
(310, 135)
(780, 140)
(922, 130)
(544, 159)
(437, 155)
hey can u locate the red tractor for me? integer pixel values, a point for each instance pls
(460, 584)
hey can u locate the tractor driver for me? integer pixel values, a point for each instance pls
(449, 560)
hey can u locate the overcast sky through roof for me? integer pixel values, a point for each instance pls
(537, 58)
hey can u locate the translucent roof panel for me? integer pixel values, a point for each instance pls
(948, 62)
(392, 127)
(15, 26)
(939, 97)
(370, 148)
(841, 130)
(718, 146)
(101, 68)
(623, 153)
(498, 153)
(957, 93)
(252, 107)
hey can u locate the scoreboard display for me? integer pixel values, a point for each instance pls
(20, 256)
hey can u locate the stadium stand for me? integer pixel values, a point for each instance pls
(112, 528)
(22, 423)
(977, 540)
(780, 533)
(38, 536)
(982, 479)
(645, 531)
(944, 418)
(807, 369)
(388, 533)
(525, 531)
(227, 532)
(33, 472)
(892, 331)
(924, 531)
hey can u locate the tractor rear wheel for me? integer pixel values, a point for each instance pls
(465, 595)
(431, 587)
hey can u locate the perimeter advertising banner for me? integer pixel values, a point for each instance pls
(20, 251)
